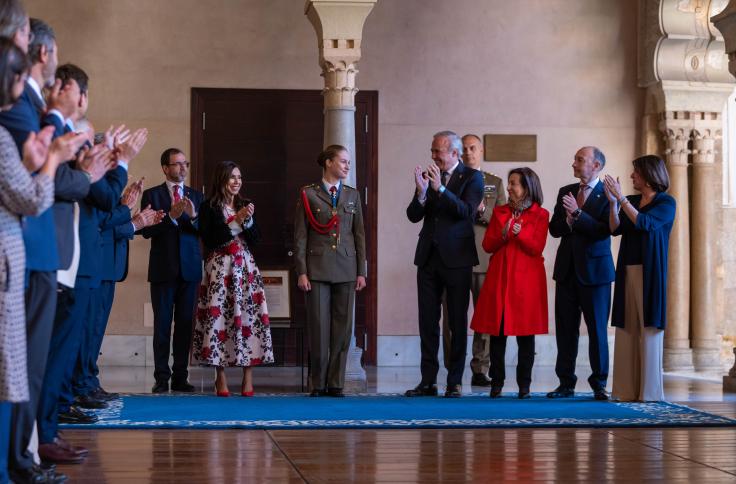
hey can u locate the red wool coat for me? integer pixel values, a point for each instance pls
(515, 288)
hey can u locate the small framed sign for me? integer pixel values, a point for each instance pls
(277, 289)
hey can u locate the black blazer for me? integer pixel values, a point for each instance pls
(174, 246)
(448, 219)
(585, 247)
(215, 232)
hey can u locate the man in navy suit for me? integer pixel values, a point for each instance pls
(45, 241)
(447, 197)
(583, 273)
(117, 228)
(174, 270)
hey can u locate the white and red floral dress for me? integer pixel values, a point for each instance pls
(231, 322)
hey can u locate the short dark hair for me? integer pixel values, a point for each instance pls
(654, 172)
(69, 72)
(43, 35)
(329, 153)
(530, 182)
(13, 63)
(166, 155)
(472, 135)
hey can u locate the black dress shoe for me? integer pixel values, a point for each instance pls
(317, 393)
(453, 391)
(182, 386)
(87, 401)
(76, 416)
(561, 392)
(480, 380)
(335, 392)
(524, 393)
(101, 394)
(601, 394)
(422, 390)
(496, 392)
(161, 386)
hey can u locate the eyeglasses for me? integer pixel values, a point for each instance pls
(31, 36)
(184, 164)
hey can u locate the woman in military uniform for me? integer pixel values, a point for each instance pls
(329, 243)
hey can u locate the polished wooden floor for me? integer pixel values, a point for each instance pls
(697, 455)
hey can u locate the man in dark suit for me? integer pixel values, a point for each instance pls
(446, 199)
(174, 270)
(45, 242)
(116, 229)
(583, 273)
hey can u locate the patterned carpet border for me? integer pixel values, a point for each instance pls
(390, 411)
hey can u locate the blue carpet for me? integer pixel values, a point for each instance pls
(389, 411)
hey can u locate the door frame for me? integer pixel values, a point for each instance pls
(370, 217)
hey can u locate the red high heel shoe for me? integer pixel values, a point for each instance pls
(225, 393)
(247, 394)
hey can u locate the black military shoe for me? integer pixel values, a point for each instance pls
(335, 392)
(480, 380)
(601, 394)
(453, 391)
(182, 386)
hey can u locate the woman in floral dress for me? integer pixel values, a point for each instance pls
(232, 326)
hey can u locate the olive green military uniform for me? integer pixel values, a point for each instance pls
(332, 264)
(493, 195)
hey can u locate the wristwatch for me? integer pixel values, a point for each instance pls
(576, 213)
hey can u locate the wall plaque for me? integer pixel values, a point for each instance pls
(510, 147)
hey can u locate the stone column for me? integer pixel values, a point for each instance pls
(705, 344)
(725, 22)
(677, 127)
(339, 27)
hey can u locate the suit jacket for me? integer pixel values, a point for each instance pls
(585, 248)
(115, 228)
(493, 196)
(48, 238)
(327, 257)
(103, 197)
(175, 248)
(448, 219)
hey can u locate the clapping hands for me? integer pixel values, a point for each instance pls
(185, 205)
(612, 187)
(245, 213)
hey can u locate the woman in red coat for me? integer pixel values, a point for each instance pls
(513, 299)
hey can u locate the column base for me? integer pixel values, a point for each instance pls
(356, 380)
(707, 359)
(678, 359)
(729, 384)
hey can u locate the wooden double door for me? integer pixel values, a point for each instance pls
(275, 137)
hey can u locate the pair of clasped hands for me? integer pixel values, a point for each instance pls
(426, 178)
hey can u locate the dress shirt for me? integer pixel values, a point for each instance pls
(37, 89)
(170, 186)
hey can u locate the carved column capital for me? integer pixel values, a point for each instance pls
(339, 27)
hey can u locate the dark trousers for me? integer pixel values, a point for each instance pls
(433, 279)
(523, 366)
(172, 300)
(572, 298)
(4, 439)
(330, 309)
(71, 309)
(40, 299)
(85, 374)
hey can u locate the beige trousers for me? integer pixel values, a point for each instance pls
(637, 356)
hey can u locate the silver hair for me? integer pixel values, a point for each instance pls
(598, 155)
(12, 17)
(456, 143)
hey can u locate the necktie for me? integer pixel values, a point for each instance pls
(445, 176)
(333, 196)
(177, 196)
(582, 195)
